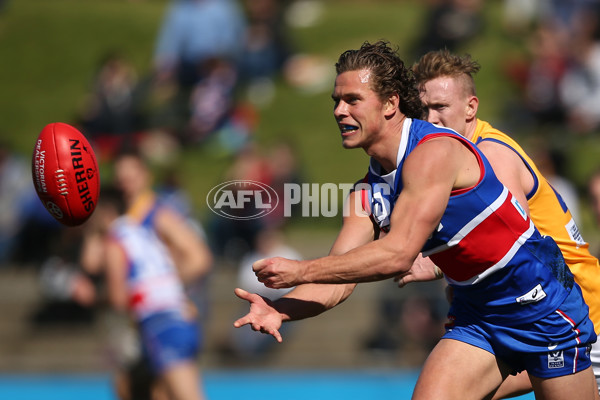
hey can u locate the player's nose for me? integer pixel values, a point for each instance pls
(340, 110)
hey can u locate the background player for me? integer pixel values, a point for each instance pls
(142, 281)
(165, 216)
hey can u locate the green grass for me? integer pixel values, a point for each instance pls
(50, 50)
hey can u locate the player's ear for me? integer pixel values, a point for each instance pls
(472, 106)
(392, 104)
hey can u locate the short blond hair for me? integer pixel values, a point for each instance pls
(440, 63)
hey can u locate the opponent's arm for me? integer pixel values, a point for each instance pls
(422, 270)
(510, 170)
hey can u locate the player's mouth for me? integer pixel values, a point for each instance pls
(346, 129)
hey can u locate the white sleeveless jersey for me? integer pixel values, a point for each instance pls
(152, 279)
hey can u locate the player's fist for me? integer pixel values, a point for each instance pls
(279, 272)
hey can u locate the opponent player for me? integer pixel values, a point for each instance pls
(515, 305)
(448, 93)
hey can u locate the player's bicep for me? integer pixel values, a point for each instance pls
(429, 175)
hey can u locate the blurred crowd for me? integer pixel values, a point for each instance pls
(215, 65)
(559, 75)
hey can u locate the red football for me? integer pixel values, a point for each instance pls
(65, 173)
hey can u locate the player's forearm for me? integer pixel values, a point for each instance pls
(309, 300)
(369, 263)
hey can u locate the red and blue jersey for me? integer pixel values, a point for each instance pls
(499, 264)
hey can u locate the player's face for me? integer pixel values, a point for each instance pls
(131, 176)
(446, 103)
(357, 109)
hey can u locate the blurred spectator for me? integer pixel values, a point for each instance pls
(28, 233)
(408, 323)
(594, 192)
(243, 344)
(559, 77)
(68, 291)
(197, 62)
(212, 99)
(593, 188)
(567, 12)
(267, 45)
(551, 164)
(449, 24)
(231, 238)
(284, 166)
(580, 86)
(250, 164)
(520, 15)
(16, 193)
(39, 234)
(110, 115)
(538, 76)
(194, 31)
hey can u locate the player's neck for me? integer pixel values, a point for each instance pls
(470, 129)
(385, 150)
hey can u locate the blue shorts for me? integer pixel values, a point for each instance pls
(168, 339)
(556, 345)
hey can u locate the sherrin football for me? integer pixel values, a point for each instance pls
(65, 173)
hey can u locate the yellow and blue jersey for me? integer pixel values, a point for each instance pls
(551, 216)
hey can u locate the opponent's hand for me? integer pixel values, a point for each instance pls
(278, 272)
(423, 269)
(263, 317)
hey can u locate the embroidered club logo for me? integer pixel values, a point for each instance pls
(556, 358)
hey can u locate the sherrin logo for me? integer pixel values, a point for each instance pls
(242, 199)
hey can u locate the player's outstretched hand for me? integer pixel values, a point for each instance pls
(423, 269)
(278, 272)
(263, 317)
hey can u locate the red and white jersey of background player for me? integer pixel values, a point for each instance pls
(152, 279)
(499, 264)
